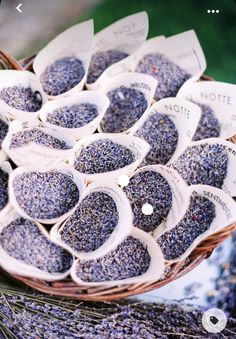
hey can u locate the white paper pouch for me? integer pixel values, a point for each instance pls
(130, 95)
(107, 156)
(113, 48)
(26, 88)
(3, 156)
(68, 54)
(168, 126)
(173, 61)
(5, 206)
(137, 259)
(208, 211)
(63, 116)
(218, 113)
(23, 145)
(211, 162)
(156, 194)
(148, 46)
(100, 222)
(27, 250)
(46, 195)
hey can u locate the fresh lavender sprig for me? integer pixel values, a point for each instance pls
(26, 314)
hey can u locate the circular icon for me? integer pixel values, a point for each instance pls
(123, 180)
(147, 209)
(214, 320)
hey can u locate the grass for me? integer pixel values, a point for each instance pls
(216, 32)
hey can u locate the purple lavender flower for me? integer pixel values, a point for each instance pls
(100, 61)
(129, 259)
(62, 75)
(196, 221)
(127, 105)
(169, 75)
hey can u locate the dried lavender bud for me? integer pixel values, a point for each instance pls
(62, 75)
(24, 241)
(22, 98)
(3, 131)
(38, 137)
(149, 187)
(161, 134)
(3, 189)
(90, 226)
(127, 105)
(45, 195)
(129, 259)
(103, 156)
(209, 126)
(196, 221)
(100, 61)
(74, 116)
(169, 75)
(203, 164)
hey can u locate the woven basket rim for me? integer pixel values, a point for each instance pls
(68, 289)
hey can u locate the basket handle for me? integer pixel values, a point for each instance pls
(8, 62)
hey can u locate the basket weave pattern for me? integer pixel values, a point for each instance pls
(68, 288)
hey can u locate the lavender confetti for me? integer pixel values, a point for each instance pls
(3, 131)
(3, 189)
(203, 164)
(100, 61)
(196, 221)
(45, 195)
(127, 105)
(149, 187)
(38, 137)
(92, 223)
(161, 134)
(62, 75)
(169, 75)
(22, 98)
(74, 116)
(129, 259)
(209, 125)
(102, 156)
(23, 240)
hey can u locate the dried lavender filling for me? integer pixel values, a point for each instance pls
(169, 75)
(149, 187)
(3, 189)
(203, 164)
(100, 61)
(209, 125)
(92, 223)
(162, 135)
(38, 137)
(129, 259)
(103, 156)
(23, 240)
(196, 221)
(3, 131)
(74, 116)
(62, 75)
(22, 98)
(45, 195)
(127, 105)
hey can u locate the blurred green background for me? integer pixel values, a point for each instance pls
(216, 32)
(43, 20)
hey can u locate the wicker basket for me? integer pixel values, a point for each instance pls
(67, 288)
